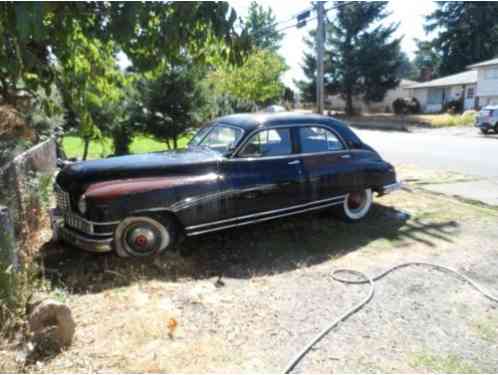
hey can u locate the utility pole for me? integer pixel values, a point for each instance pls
(320, 47)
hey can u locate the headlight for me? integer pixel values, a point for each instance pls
(82, 205)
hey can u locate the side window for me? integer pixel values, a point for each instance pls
(316, 139)
(271, 142)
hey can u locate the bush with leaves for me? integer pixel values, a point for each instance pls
(453, 106)
(404, 106)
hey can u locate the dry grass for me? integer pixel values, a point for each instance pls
(426, 120)
(12, 125)
(123, 308)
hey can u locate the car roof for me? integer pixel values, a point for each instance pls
(493, 107)
(251, 121)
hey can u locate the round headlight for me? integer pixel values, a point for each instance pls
(82, 205)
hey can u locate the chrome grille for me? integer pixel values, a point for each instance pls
(62, 199)
(78, 223)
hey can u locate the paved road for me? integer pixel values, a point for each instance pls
(468, 153)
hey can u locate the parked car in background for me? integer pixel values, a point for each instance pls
(275, 109)
(237, 170)
(487, 119)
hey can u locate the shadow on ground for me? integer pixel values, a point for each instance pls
(264, 249)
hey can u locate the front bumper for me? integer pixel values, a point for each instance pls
(391, 188)
(76, 238)
(483, 125)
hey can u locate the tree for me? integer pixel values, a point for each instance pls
(172, 100)
(257, 80)
(261, 29)
(407, 68)
(467, 32)
(365, 58)
(91, 84)
(427, 61)
(34, 34)
(307, 86)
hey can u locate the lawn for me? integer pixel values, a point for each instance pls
(73, 146)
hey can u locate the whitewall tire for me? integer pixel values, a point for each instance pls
(141, 236)
(356, 205)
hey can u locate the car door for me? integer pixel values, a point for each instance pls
(265, 175)
(328, 165)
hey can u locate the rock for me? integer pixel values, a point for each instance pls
(52, 321)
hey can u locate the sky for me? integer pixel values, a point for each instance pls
(409, 14)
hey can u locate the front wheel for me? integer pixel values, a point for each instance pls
(356, 205)
(484, 131)
(141, 236)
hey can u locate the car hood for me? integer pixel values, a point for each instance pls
(183, 162)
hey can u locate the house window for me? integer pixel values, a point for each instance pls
(470, 93)
(491, 73)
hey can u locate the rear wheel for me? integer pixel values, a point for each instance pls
(356, 205)
(141, 236)
(496, 128)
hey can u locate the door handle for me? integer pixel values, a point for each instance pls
(346, 156)
(294, 162)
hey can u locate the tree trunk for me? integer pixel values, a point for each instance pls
(349, 103)
(175, 142)
(86, 147)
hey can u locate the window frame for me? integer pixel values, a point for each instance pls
(339, 138)
(223, 125)
(251, 135)
(296, 146)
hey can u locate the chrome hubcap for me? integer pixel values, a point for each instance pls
(142, 239)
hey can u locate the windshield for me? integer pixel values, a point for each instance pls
(219, 137)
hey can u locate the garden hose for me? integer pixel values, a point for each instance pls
(365, 279)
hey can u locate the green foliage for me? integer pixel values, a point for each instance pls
(365, 58)
(361, 55)
(260, 27)
(427, 61)
(307, 87)
(257, 80)
(75, 44)
(171, 101)
(403, 106)
(91, 84)
(467, 33)
(407, 68)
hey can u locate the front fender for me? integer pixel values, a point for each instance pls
(117, 199)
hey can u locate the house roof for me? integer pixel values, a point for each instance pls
(484, 63)
(404, 83)
(463, 78)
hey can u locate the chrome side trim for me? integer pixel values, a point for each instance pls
(264, 219)
(259, 214)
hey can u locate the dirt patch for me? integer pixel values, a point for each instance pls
(247, 300)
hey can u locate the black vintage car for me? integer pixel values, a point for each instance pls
(237, 170)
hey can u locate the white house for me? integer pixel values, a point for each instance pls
(432, 95)
(337, 103)
(487, 82)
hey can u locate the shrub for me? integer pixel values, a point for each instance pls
(404, 106)
(453, 106)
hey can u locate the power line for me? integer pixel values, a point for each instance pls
(297, 24)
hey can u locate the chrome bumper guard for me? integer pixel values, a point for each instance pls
(391, 188)
(79, 240)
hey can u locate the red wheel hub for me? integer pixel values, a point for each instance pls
(355, 200)
(141, 241)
